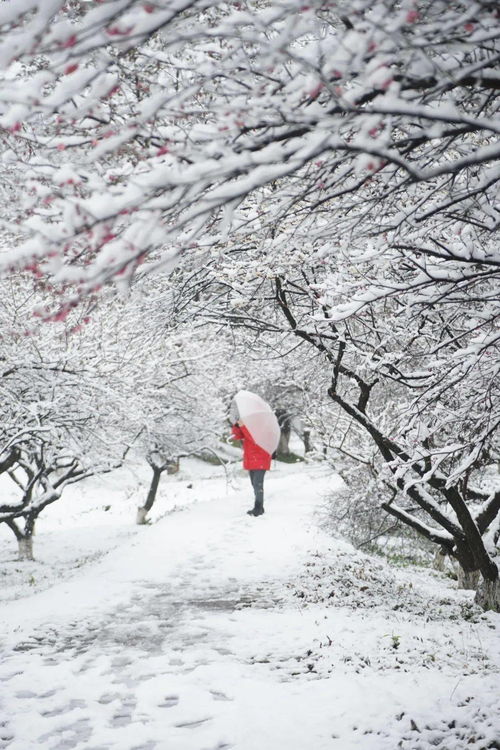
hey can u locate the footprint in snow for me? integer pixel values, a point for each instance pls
(169, 701)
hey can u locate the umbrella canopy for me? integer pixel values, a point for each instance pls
(258, 418)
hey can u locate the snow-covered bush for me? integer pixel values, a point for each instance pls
(355, 512)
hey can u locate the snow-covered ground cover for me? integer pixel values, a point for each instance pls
(210, 629)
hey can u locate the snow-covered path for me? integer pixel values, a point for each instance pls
(187, 638)
(140, 651)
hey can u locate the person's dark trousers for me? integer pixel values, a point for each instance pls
(257, 480)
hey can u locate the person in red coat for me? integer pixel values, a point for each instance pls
(256, 461)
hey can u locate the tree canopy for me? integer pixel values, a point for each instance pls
(142, 127)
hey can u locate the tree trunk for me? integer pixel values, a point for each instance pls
(284, 422)
(283, 445)
(488, 595)
(306, 437)
(153, 488)
(440, 561)
(24, 539)
(25, 546)
(468, 579)
(141, 516)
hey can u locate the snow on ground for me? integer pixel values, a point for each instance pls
(210, 629)
(97, 515)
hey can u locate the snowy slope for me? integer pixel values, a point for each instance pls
(211, 629)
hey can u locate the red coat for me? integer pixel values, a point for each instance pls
(254, 457)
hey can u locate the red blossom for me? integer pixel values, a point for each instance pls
(60, 315)
(70, 41)
(116, 31)
(70, 69)
(313, 93)
(34, 268)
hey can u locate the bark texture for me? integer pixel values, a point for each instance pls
(141, 516)
(468, 579)
(488, 595)
(25, 546)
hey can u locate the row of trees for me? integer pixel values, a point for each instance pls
(77, 396)
(324, 174)
(80, 394)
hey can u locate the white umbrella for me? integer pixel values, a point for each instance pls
(259, 419)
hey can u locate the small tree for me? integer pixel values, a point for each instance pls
(62, 411)
(177, 380)
(41, 474)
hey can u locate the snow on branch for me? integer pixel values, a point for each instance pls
(134, 124)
